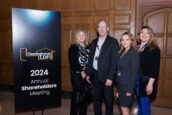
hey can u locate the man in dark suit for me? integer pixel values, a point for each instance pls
(101, 65)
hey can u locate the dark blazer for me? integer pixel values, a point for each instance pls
(107, 59)
(149, 66)
(129, 68)
(73, 58)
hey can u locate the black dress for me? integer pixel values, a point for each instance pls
(149, 67)
(78, 57)
(126, 81)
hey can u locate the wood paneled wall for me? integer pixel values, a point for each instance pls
(75, 14)
(160, 21)
(157, 14)
(6, 67)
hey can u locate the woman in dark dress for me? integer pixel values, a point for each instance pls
(128, 66)
(78, 57)
(149, 69)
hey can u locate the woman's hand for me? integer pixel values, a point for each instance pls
(149, 87)
(88, 79)
(83, 74)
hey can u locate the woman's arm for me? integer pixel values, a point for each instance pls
(149, 87)
(73, 58)
(134, 68)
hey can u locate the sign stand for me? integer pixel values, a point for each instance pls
(42, 111)
(37, 59)
(33, 111)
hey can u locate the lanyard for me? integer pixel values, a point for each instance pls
(99, 49)
(99, 45)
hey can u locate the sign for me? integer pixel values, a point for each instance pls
(37, 58)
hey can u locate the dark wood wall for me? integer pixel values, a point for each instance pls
(75, 14)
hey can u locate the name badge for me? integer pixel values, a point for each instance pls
(96, 58)
(118, 73)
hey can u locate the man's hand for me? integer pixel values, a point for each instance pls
(128, 94)
(117, 95)
(108, 82)
(88, 79)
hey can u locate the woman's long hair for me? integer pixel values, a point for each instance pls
(76, 35)
(133, 44)
(152, 44)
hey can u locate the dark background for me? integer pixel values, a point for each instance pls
(35, 37)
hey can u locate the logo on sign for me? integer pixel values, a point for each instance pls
(41, 54)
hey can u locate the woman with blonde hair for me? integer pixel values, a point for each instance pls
(78, 58)
(128, 66)
(149, 69)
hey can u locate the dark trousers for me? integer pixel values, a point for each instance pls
(75, 106)
(100, 90)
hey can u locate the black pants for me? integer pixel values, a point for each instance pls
(76, 107)
(101, 90)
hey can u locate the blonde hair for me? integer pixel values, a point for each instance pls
(152, 44)
(133, 44)
(76, 35)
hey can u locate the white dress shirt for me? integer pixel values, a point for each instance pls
(97, 52)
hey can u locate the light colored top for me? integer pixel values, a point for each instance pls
(97, 52)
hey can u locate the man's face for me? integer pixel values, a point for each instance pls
(102, 29)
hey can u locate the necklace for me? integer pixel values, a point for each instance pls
(141, 49)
